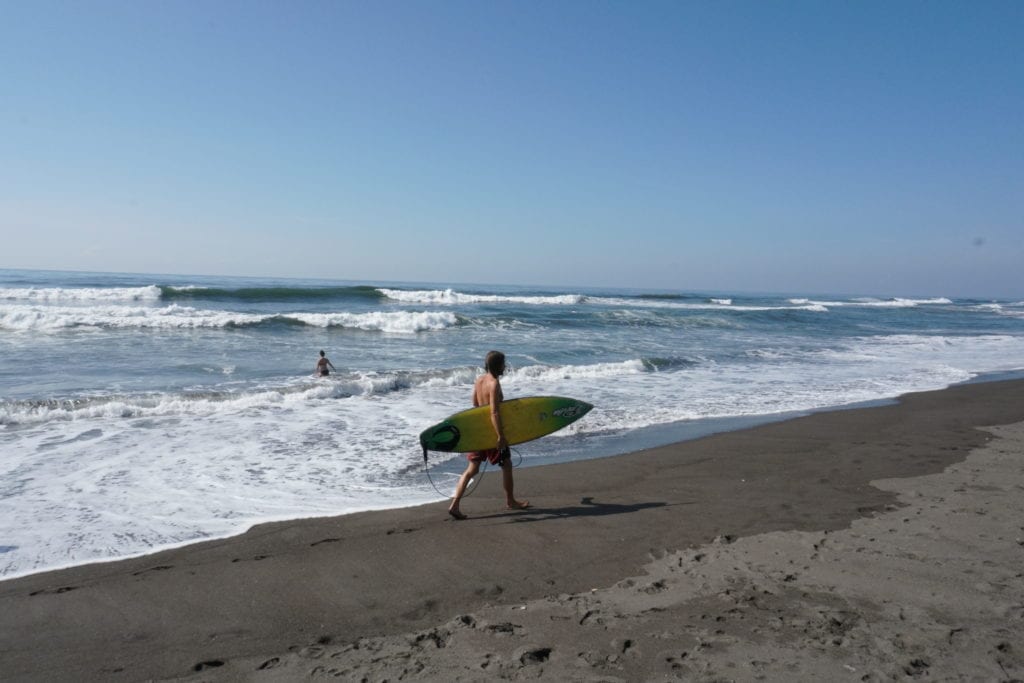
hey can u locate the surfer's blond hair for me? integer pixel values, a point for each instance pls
(494, 362)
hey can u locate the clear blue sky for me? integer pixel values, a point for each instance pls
(820, 147)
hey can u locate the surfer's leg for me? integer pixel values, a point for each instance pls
(460, 489)
(508, 484)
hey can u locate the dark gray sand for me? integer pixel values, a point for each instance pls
(872, 544)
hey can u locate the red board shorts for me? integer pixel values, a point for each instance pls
(492, 455)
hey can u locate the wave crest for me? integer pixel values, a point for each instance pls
(268, 294)
(451, 297)
(27, 318)
(80, 294)
(556, 372)
(895, 302)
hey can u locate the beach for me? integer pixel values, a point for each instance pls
(863, 544)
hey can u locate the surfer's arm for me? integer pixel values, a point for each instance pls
(499, 429)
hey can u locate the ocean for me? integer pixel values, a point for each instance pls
(139, 412)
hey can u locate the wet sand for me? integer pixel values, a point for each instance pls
(858, 544)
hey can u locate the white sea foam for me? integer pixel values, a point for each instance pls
(50, 318)
(292, 393)
(653, 317)
(21, 317)
(162, 482)
(877, 303)
(450, 296)
(1015, 310)
(941, 300)
(542, 373)
(82, 294)
(805, 305)
(161, 405)
(396, 322)
(975, 354)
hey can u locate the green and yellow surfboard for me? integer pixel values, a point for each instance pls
(523, 419)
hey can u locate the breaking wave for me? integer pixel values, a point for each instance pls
(451, 297)
(28, 318)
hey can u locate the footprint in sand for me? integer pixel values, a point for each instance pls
(326, 540)
(54, 591)
(309, 652)
(209, 664)
(533, 655)
(158, 568)
(269, 664)
(656, 587)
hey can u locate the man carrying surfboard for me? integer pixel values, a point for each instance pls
(487, 392)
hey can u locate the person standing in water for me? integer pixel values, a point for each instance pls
(323, 364)
(487, 392)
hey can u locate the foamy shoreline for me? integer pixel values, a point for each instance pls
(313, 597)
(644, 438)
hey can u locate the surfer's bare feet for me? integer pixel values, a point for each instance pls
(518, 505)
(456, 514)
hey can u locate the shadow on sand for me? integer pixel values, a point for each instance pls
(587, 508)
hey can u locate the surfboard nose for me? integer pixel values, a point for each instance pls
(573, 412)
